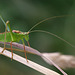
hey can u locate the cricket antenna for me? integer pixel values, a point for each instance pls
(4, 22)
(53, 35)
(48, 19)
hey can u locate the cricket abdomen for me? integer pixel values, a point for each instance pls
(8, 37)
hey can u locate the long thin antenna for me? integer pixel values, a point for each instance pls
(3, 20)
(4, 23)
(53, 35)
(48, 19)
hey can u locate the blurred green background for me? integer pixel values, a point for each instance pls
(23, 14)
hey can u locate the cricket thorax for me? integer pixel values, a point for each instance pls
(22, 34)
(17, 31)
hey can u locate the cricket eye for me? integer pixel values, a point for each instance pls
(27, 32)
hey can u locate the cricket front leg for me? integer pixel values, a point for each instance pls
(24, 50)
(28, 43)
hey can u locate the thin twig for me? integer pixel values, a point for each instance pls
(34, 51)
(31, 64)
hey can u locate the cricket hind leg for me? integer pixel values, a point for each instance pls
(5, 38)
(11, 50)
(15, 49)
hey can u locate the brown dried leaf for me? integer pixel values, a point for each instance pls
(63, 61)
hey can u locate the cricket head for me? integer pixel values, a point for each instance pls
(23, 34)
(26, 36)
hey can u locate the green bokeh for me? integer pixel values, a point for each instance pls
(23, 14)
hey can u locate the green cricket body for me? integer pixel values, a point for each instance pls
(14, 35)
